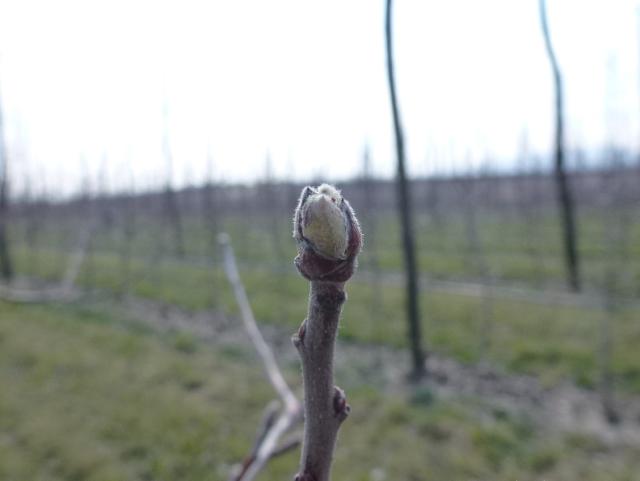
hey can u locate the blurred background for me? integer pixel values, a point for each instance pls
(133, 133)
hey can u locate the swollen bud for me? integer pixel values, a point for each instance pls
(328, 235)
(324, 225)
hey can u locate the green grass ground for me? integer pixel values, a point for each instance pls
(526, 251)
(552, 342)
(89, 395)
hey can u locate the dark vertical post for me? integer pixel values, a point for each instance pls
(404, 207)
(6, 266)
(565, 197)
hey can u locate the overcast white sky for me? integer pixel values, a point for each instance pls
(83, 85)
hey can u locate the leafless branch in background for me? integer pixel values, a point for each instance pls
(210, 207)
(277, 422)
(212, 223)
(129, 224)
(268, 198)
(77, 259)
(616, 222)
(433, 204)
(565, 197)
(529, 210)
(65, 291)
(406, 215)
(174, 219)
(368, 215)
(329, 240)
(87, 215)
(32, 223)
(6, 263)
(171, 207)
(469, 194)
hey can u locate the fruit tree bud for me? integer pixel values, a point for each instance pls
(328, 235)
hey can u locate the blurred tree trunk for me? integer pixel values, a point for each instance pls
(617, 217)
(31, 225)
(368, 211)
(468, 189)
(210, 219)
(565, 197)
(268, 197)
(210, 211)
(86, 215)
(529, 214)
(606, 348)
(6, 265)
(368, 216)
(171, 205)
(174, 218)
(404, 207)
(129, 218)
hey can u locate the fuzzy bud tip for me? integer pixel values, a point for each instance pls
(327, 232)
(324, 224)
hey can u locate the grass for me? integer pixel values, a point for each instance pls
(94, 396)
(553, 342)
(517, 249)
(90, 398)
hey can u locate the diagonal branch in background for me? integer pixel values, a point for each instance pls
(77, 260)
(275, 424)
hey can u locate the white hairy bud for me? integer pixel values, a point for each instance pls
(324, 224)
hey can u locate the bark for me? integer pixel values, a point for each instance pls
(563, 189)
(406, 217)
(325, 405)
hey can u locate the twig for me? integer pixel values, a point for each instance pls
(77, 260)
(273, 427)
(329, 240)
(291, 442)
(270, 365)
